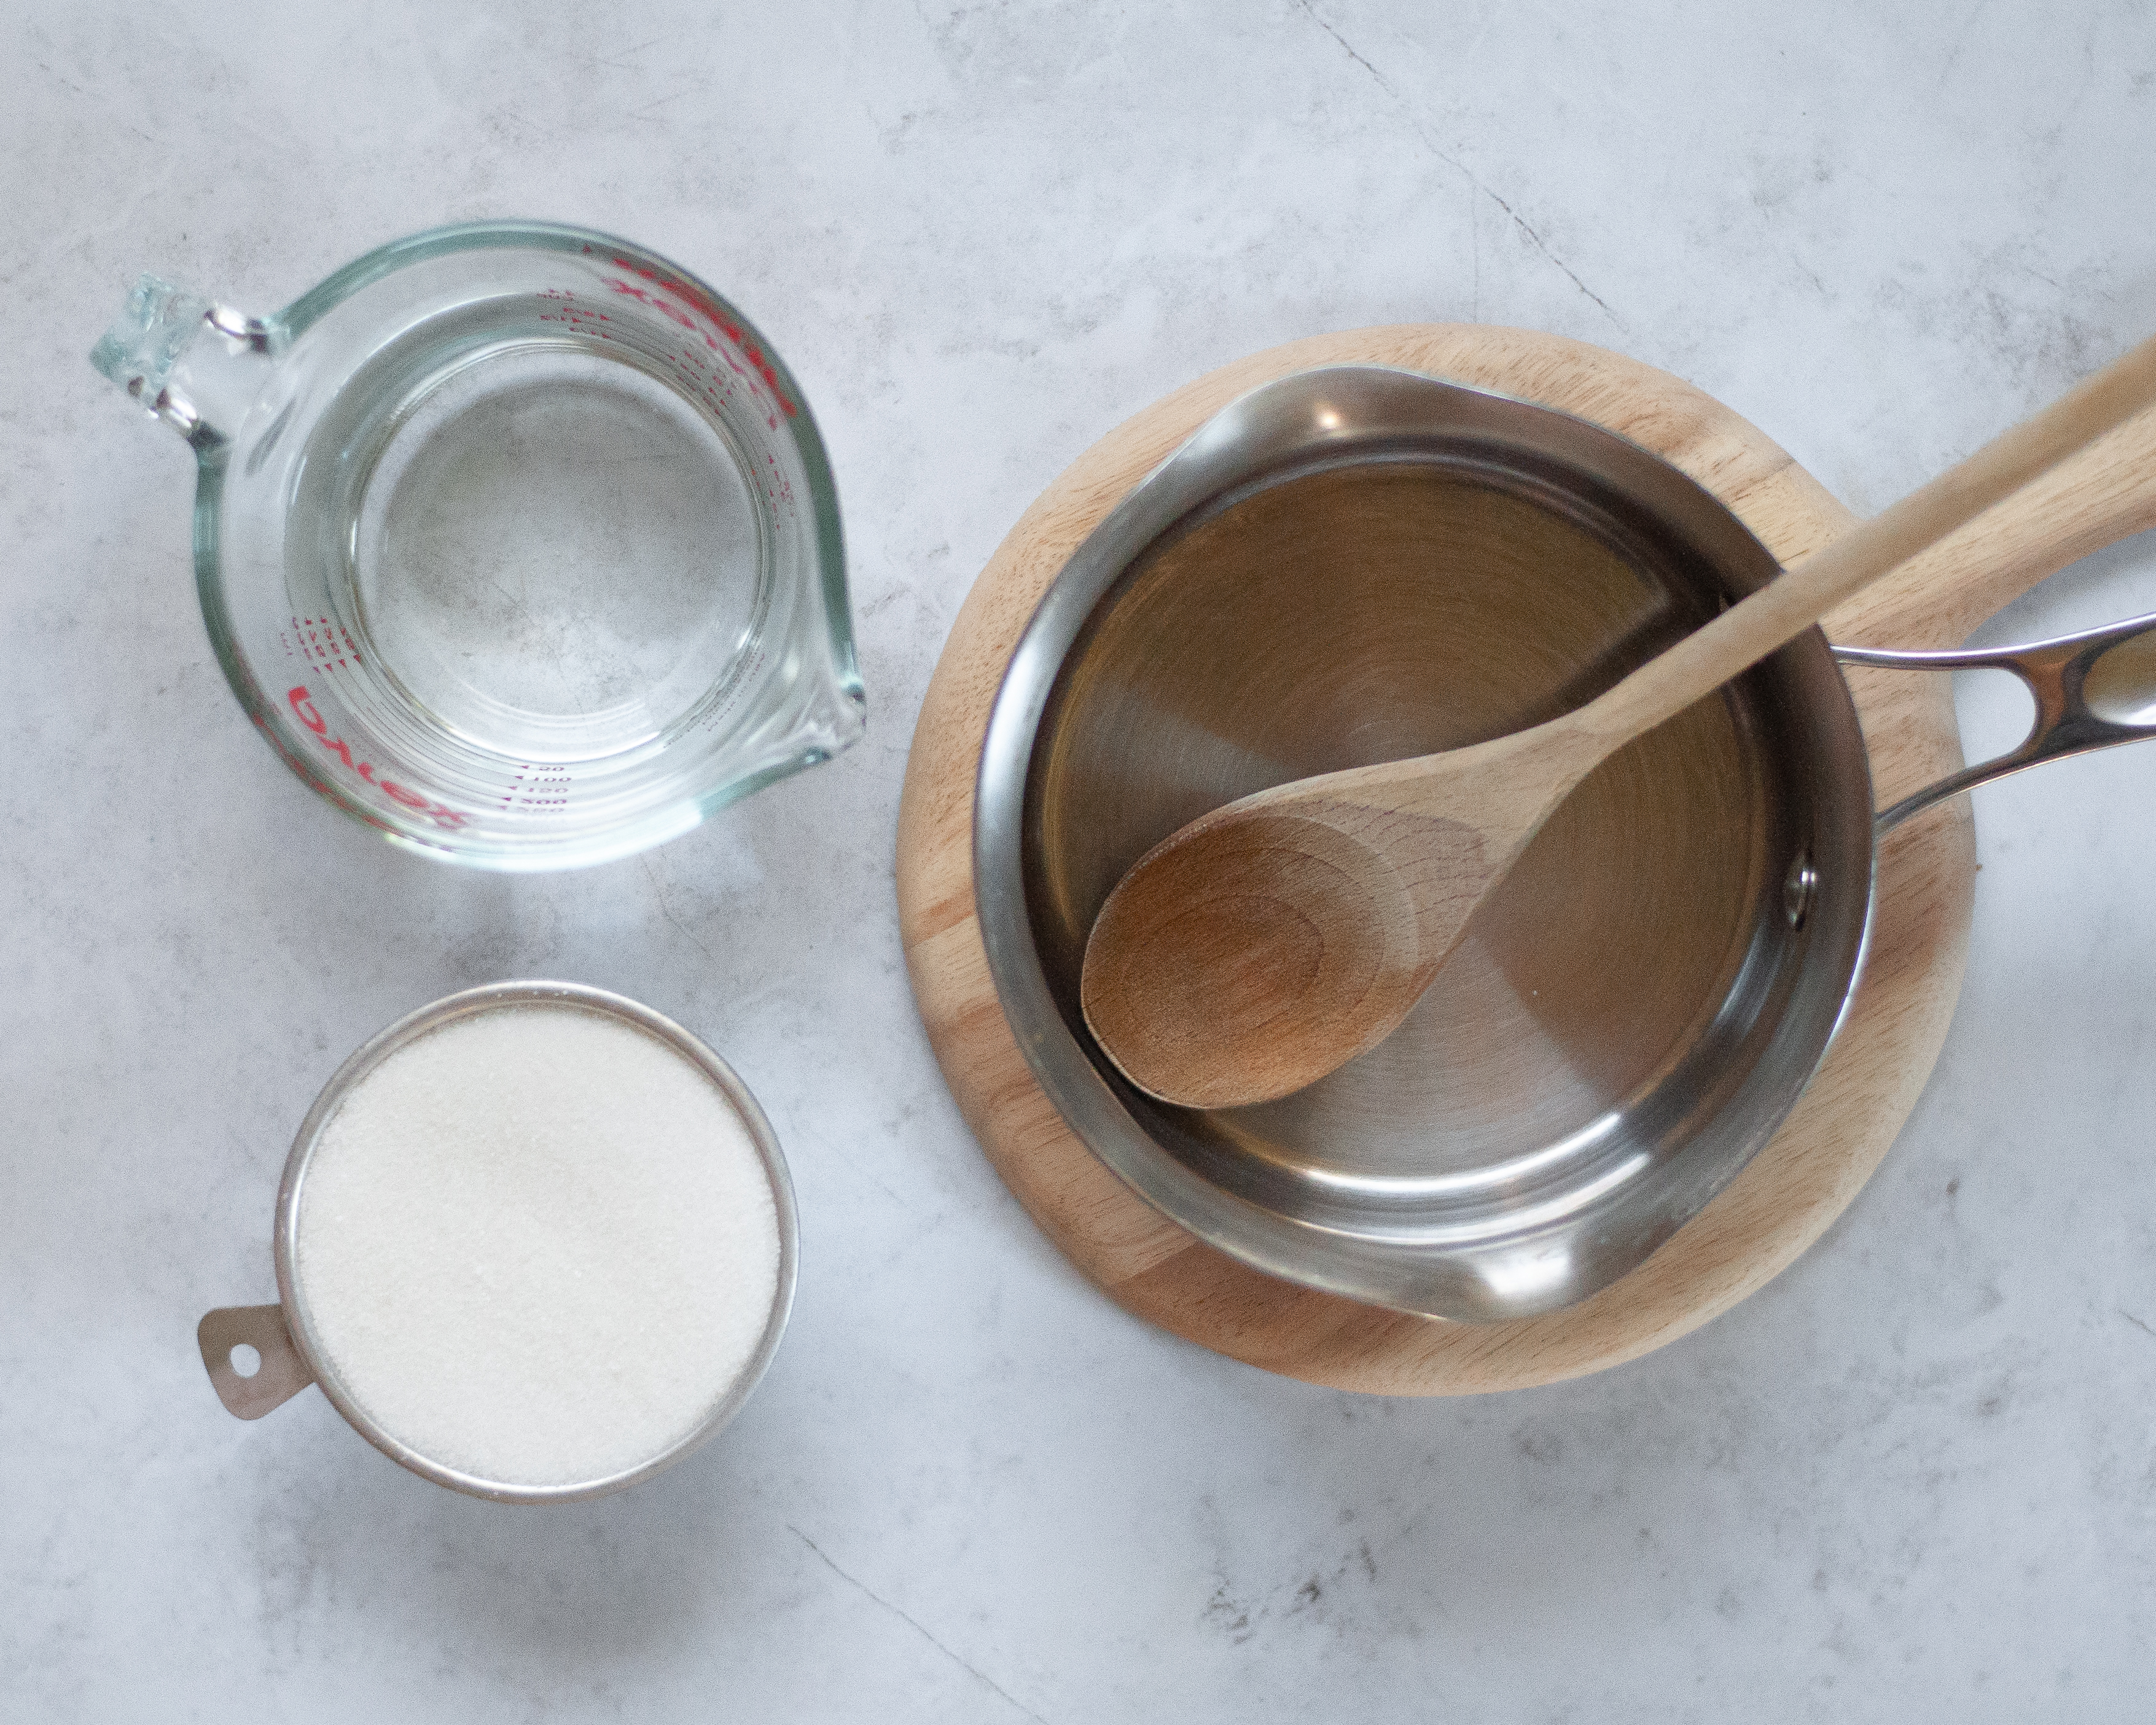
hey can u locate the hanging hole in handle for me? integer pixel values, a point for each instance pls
(252, 1362)
(2121, 685)
(1993, 710)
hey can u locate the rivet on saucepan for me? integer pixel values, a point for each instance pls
(1798, 887)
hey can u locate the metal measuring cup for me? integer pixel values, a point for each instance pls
(284, 1336)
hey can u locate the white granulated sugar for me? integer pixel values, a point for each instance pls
(537, 1245)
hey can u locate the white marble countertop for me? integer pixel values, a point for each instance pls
(1915, 1478)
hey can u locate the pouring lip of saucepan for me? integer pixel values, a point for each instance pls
(432, 1017)
(1531, 1248)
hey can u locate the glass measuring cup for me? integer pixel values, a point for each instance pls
(517, 542)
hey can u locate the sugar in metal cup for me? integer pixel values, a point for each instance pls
(535, 1241)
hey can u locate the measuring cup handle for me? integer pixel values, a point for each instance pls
(282, 1374)
(161, 352)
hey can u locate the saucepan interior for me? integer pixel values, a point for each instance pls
(1356, 564)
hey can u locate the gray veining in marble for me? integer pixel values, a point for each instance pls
(1915, 1478)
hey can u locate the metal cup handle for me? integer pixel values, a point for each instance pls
(282, 1374)
(2091, 690)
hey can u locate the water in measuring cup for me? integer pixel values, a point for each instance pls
(544, 551)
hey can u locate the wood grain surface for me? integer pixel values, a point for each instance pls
(1840, 1129)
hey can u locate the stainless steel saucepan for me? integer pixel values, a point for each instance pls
(1355, 564)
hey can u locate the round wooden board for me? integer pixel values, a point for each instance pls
(1829, 1147)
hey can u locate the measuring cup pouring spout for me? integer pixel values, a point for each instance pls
(517, 542)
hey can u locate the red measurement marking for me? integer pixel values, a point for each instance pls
(323, 642)
(701, 304)
(303, 707)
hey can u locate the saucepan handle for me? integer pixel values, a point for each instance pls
(2091, 692)
(281, 1373)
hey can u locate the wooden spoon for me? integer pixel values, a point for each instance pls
(1272, 941)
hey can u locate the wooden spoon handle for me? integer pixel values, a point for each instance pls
(1785, 607)
(1936, 599)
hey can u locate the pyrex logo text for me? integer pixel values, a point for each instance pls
(303, 709)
